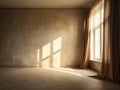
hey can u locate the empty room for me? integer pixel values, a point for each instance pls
(59, 45)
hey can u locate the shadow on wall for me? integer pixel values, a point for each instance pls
(49, 55)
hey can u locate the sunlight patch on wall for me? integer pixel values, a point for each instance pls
(56, 59)
(57, 44)
(46, 63)
(50, 54)
(57, 52)
(46, 51)
(38, 57)
(46, 55)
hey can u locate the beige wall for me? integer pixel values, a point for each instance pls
(95, 65)
(24, 31)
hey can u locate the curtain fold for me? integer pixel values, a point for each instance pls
(86, 46)
(110, 59)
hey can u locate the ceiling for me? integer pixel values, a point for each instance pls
(45, 3)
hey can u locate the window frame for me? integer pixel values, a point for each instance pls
(99, 8)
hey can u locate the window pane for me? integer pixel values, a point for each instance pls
(101, 40)
(91, 23)
(96, 31)
(91, 46)
(97, 43)
(97, 18)
(102, 14)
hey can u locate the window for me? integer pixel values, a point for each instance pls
(96, 31)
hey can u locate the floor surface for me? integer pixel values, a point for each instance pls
(51, 79)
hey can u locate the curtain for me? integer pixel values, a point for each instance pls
(86, 40)
(86, 46)
(110, 59)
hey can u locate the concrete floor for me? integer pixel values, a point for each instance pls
(51, 79)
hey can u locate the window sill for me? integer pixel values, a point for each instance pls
(100, 61)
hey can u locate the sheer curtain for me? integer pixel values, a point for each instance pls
(110, 59)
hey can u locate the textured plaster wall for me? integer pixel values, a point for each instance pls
(24, 31)
(95, 65)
